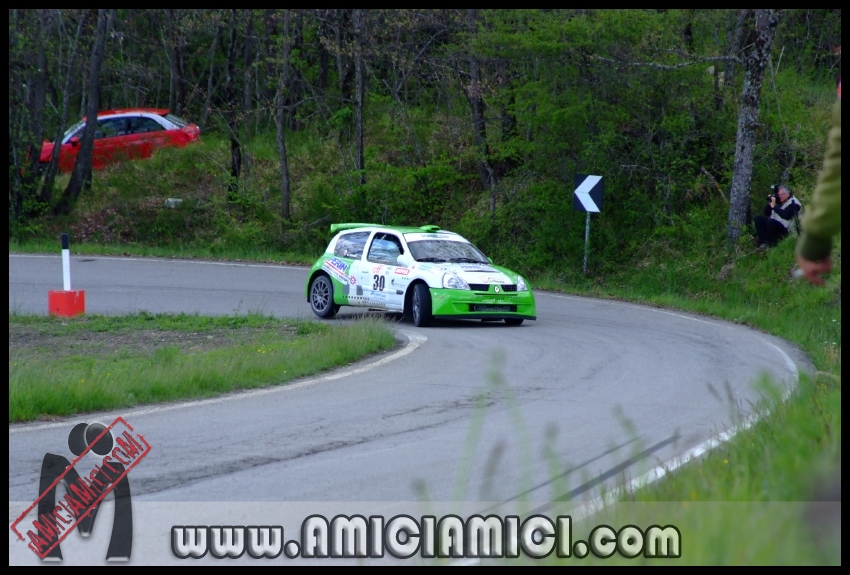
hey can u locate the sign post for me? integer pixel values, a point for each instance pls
(586, 242)
(67, 302)
(587, 198)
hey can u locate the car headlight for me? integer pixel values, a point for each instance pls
(520, 284)
(454, 282)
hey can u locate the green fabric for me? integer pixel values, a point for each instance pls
(822, 218)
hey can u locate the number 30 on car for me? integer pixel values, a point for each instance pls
(423, 272)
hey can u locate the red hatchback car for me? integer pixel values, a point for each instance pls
(129, 134)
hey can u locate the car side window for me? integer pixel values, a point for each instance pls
(397, 242)
(385, 249)
(351, 245)
(142, 125)
(111, 128)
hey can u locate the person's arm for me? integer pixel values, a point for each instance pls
(822, 219)
(787, 213)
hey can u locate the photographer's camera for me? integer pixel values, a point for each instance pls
(774, 192)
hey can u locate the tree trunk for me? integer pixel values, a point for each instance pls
(280, 118)
(295, 78)
(324, 55)
(509, 121)
(177, 96)
(35, 116)
(359, 93)
(26, 109)
(529, 136)
(755, 61)
(52, 167)
(81, 175)
(734, 45)
(208, 99)
(249, 41)
(475, 97)
(169, 53)
(265, 51)
(231, 107)
(247, 116)
(343, 63)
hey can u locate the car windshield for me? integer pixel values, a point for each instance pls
(446, 251)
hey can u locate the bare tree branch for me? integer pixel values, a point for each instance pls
(714, 181)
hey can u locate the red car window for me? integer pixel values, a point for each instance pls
(111, 128)
(143, 125)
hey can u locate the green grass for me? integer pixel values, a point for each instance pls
(148, 358)
(718, 533)
(180, 252)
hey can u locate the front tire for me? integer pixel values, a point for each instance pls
(421, 306)
(514, 321)
(322, 297)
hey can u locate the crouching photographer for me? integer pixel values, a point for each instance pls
(779, 214)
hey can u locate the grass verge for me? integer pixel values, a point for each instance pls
(61, 366)
(179, 252)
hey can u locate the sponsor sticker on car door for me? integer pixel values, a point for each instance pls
(382, 263)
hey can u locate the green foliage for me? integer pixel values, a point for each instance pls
(533, 229)
(341, 118)
(565, 92)
(30, 222)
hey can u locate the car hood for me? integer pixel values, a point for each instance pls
(473, 273)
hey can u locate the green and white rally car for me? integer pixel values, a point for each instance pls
(424, 273)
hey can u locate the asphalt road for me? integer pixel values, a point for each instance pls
(592, 394)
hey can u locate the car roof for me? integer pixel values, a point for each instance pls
(120, 111)
(157, 111)
(401, 229)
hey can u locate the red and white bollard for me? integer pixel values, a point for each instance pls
(67, 302)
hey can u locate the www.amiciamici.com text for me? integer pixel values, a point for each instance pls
(404, 537)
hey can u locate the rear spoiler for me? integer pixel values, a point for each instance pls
(339, 227)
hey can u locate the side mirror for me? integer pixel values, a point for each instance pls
(402, 261)
(74, 141)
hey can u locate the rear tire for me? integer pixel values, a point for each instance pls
(514, 321)
(420, 306)
(322, 297)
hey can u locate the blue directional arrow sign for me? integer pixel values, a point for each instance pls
(588, 193)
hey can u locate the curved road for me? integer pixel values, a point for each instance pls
(591, 394)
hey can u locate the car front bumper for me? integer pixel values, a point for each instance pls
(458, 304)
